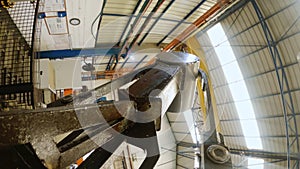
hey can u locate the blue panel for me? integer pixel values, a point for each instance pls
(62, 14)
(41, 15)
(67, 53)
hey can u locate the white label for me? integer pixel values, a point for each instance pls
(57, 25)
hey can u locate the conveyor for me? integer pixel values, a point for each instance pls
(74, 125)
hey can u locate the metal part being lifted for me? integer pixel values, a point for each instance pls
(73, 126)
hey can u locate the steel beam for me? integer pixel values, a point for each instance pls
(133, 27)
(196, 24)
(164, 19)
(157, 19)
(265, 154)
(287, 102)
(40, 127)
(141, 61)
(100, 16)
(129, 21)
(145, 24)
(68, 53)
(184, 18)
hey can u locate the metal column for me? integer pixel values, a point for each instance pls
(286, 96)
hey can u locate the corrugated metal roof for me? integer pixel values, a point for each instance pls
(120, 12)
(248, 42)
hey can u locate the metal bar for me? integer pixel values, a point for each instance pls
(31, 50)
(200, 21)
(123, 64)
(23, 128)
(68, 53)
(141, 61)
(134, 25)
(157, 19)
(119, 62)
(167, 162)
(264, 154)
(164, 19)
(292, 25)
(100, 20)
(129, 21)
(116, 58)
(145, 24)
(287, 104)
(184, 18)
(108, 66)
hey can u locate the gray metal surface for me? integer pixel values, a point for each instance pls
(39, 128)
(189, 67)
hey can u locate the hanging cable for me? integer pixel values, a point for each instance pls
(100, 14)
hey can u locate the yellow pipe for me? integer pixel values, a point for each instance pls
(194, 47)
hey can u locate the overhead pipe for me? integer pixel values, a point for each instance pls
(138, 18)
(134, 25)
(129, 21)
(152, 26)
(200, 21)
(145, 24)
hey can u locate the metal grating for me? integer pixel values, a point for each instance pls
(16, 30)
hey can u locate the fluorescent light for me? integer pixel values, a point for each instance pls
(237, 86)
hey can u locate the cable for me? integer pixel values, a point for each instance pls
(100, 13)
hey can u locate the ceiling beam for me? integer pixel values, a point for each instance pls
(196, 24)
(136, 22)
(265, 154)
(68, 53)
(186, 16)
(129, 21)
(155, 22)
(163, 19)
(146, 22)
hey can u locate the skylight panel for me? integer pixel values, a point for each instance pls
(237, 86)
